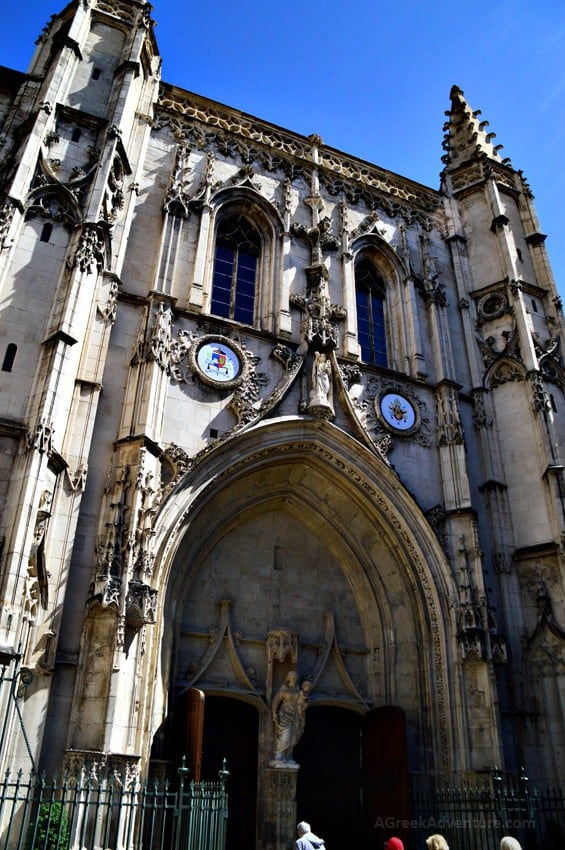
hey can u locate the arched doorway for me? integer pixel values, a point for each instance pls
(353, 779)
(289, 545)
(328, 793)
(231, 732)
(209, 731)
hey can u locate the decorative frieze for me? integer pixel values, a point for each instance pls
(232, 134)
(94, 768)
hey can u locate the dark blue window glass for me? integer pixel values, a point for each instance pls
(370, 298)
(238, 248)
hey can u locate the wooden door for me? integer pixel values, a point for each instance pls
(195, 731)
(385, 775)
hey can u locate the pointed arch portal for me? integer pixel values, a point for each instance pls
(296, 531)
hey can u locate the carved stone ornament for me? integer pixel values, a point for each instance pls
(41, 438)
(318, 327)
(7, 212)
(106, 590)
(214, 358)
(141, 604)
(113, 201)
(90, 252)
(60, 201)
(541, 401)
(492, 306)
(281, 644)
(109, 310)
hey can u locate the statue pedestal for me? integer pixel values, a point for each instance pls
(280, 808)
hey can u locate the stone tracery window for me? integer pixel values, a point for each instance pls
(238, 249)
(370, 293)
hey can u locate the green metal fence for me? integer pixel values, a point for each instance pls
(475, 816)
(41, 814)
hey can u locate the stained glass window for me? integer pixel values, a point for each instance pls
(370, 298)
(238, 247)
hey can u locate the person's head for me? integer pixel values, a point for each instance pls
(292, 678)
(394, 843)
(509, 843)
(302, 828)
(436, 842)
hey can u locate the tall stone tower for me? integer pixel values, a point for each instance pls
(280, 428)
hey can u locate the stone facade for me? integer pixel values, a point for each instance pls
(339, 453)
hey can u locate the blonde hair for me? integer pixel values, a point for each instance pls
(438, 842)
(509, 843)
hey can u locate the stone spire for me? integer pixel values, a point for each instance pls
(466, 135)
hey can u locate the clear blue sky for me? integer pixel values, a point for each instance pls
(371, 78)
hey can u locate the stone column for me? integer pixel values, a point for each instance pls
(279, 822)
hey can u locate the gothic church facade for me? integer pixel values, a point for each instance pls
(266, 407)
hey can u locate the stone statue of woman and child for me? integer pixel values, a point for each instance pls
(287, 710)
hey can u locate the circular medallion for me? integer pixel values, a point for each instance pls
(218, 362)
(397, 412)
